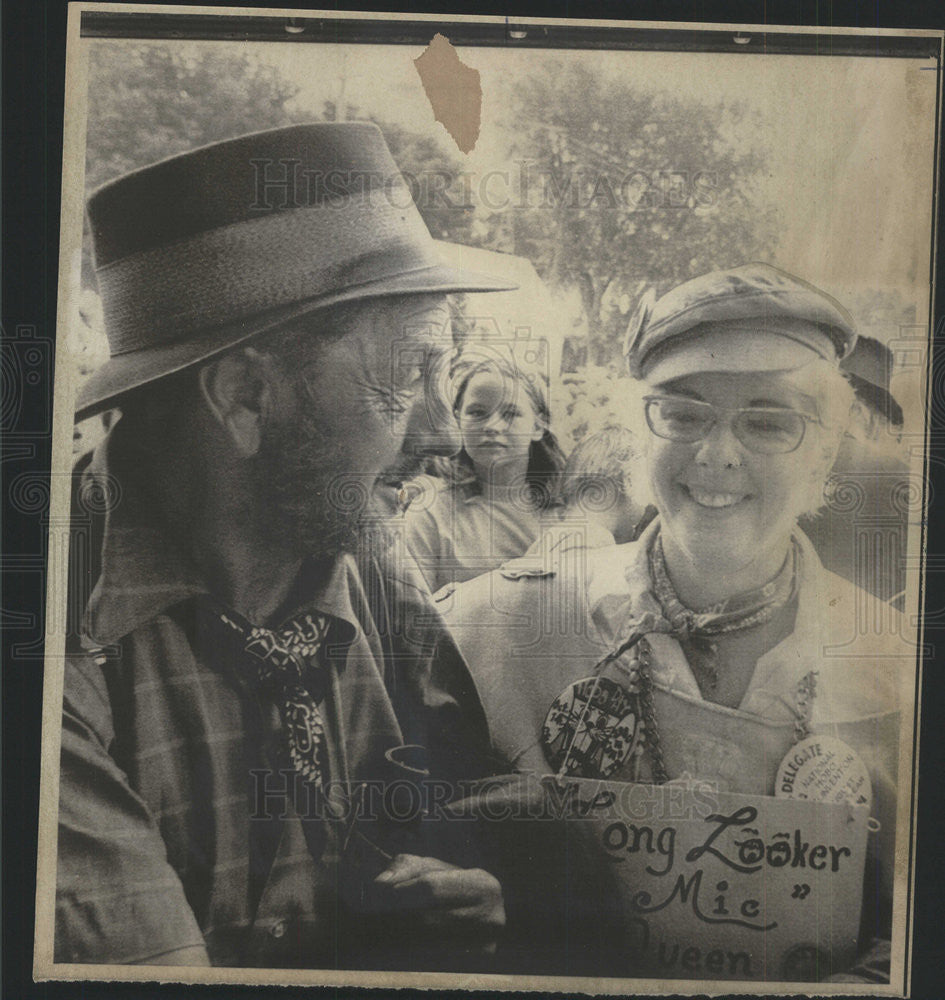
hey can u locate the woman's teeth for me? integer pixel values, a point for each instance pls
(708, 498)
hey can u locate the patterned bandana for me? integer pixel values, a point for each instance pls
(606, 721)
(696, 630)
(279, 660)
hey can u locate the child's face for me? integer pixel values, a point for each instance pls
(497, 420)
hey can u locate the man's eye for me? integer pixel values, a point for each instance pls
(476, 412)
(511, 413)
(395, 401)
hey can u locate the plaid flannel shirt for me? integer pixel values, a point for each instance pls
(176, 827)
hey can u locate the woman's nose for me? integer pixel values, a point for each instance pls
(720, 448)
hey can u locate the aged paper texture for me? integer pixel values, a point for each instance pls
(685, 835)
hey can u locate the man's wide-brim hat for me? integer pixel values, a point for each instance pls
(753, 318)
(204, 250)
(869, 369)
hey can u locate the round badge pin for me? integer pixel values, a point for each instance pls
(824, 769)
(592, 728)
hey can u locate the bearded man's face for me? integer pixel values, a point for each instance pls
(352, 394)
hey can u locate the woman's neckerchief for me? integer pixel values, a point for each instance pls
(697, 631)
(600, 722)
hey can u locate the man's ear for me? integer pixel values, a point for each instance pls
(238, 391)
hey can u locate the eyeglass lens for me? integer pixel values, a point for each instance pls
(760, 429)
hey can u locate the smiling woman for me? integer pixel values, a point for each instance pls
(734, 460)
(747, 412)
(715, 651)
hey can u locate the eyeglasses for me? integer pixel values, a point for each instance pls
(766, 430)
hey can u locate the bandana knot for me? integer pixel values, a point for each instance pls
(279, 660)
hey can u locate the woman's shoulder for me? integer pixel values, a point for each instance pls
(522, 620)
(866, 651)
(847, 614)
(544, 589)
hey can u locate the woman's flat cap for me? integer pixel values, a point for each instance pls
(750, 318)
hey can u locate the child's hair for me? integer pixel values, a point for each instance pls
(606, 457)
(545, 457)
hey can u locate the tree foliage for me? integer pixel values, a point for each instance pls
(624, 189)
(618, 188)
(434, 175)
(148, 101)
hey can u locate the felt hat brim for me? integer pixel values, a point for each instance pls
(124, 373)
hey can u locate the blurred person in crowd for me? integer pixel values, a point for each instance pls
(719, 630)
(869, 369)
(860, 532)
(237, 665)
(599, 502)
(600, 487)
(502, 480)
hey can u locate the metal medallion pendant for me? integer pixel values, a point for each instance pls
(592, 728)
(824, 769)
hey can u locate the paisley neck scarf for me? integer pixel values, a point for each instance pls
(697, 630)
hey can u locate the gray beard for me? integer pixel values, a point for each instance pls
(313, 506)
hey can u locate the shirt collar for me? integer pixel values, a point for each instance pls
(145, 571)
(621, 601)
(625, 570)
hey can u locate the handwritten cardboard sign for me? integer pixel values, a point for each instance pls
(713, 885)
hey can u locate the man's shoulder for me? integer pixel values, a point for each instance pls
(430, 494)
(394, 569)
(87, 692)
(161, 645)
